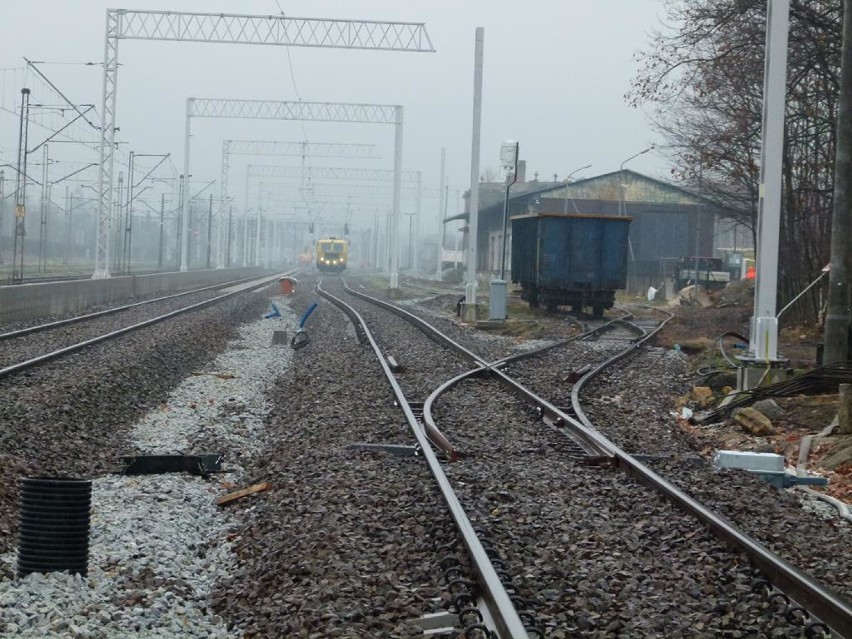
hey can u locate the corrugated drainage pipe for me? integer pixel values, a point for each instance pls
(54, 525)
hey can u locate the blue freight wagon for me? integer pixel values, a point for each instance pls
(570, 260)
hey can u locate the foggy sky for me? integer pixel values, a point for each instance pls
(555, 72)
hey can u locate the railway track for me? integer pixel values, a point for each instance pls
(823, 604)
(26, 348)
(43, 279)
(354, 537)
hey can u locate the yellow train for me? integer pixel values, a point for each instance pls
(332, 255)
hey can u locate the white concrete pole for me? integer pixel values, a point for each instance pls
(470, 284)
(266, 244)
(415, 258)
(184, 253)
(764, 325)
(393, 233)
(245, 220)
(257, 237)
(221, 228)
(441, 208)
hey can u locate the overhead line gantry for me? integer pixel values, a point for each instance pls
(228, 28)
(281, 148)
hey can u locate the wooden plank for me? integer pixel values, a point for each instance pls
(257, 488)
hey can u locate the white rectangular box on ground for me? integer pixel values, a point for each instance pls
(746, 460)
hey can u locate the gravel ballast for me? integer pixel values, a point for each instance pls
(347, 541)
(158, 543)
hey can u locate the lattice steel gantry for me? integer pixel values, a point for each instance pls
(282, 148)
(346, 112)
(226, 28)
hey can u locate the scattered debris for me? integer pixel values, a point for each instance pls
(301, 339)
(574, 376)
(702, 395)
(275, 312)
(769, 407)
(201, 465)
(251, 490)
(214, 374)
(754, 422)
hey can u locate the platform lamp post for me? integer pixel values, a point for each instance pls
(622, 204)
(622, 200)
(568, 181)
(497, 299)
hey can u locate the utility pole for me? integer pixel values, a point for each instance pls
(228, 250)
(21, 190)
(257, 237)
(837, 319)
(416, 250)
(473, 206)
(128, 216)
(45, 196)
(2, 206)
(117, 216)
(179, 223)
(185, 210)
(442, 214)
(69, 202)
(162, 228)
(209, 228)
(762, 364)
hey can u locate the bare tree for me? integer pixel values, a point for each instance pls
(703, 81)
(489, 174)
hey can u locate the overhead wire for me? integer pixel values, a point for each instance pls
(293, 77)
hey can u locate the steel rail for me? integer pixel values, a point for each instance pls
(589, 439)
(46, 279)
(82, 318)
(575, 391)
(429, 420)
(502, 610)
(823, 603)
(41, 359)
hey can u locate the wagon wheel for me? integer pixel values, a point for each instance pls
(533, 298)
